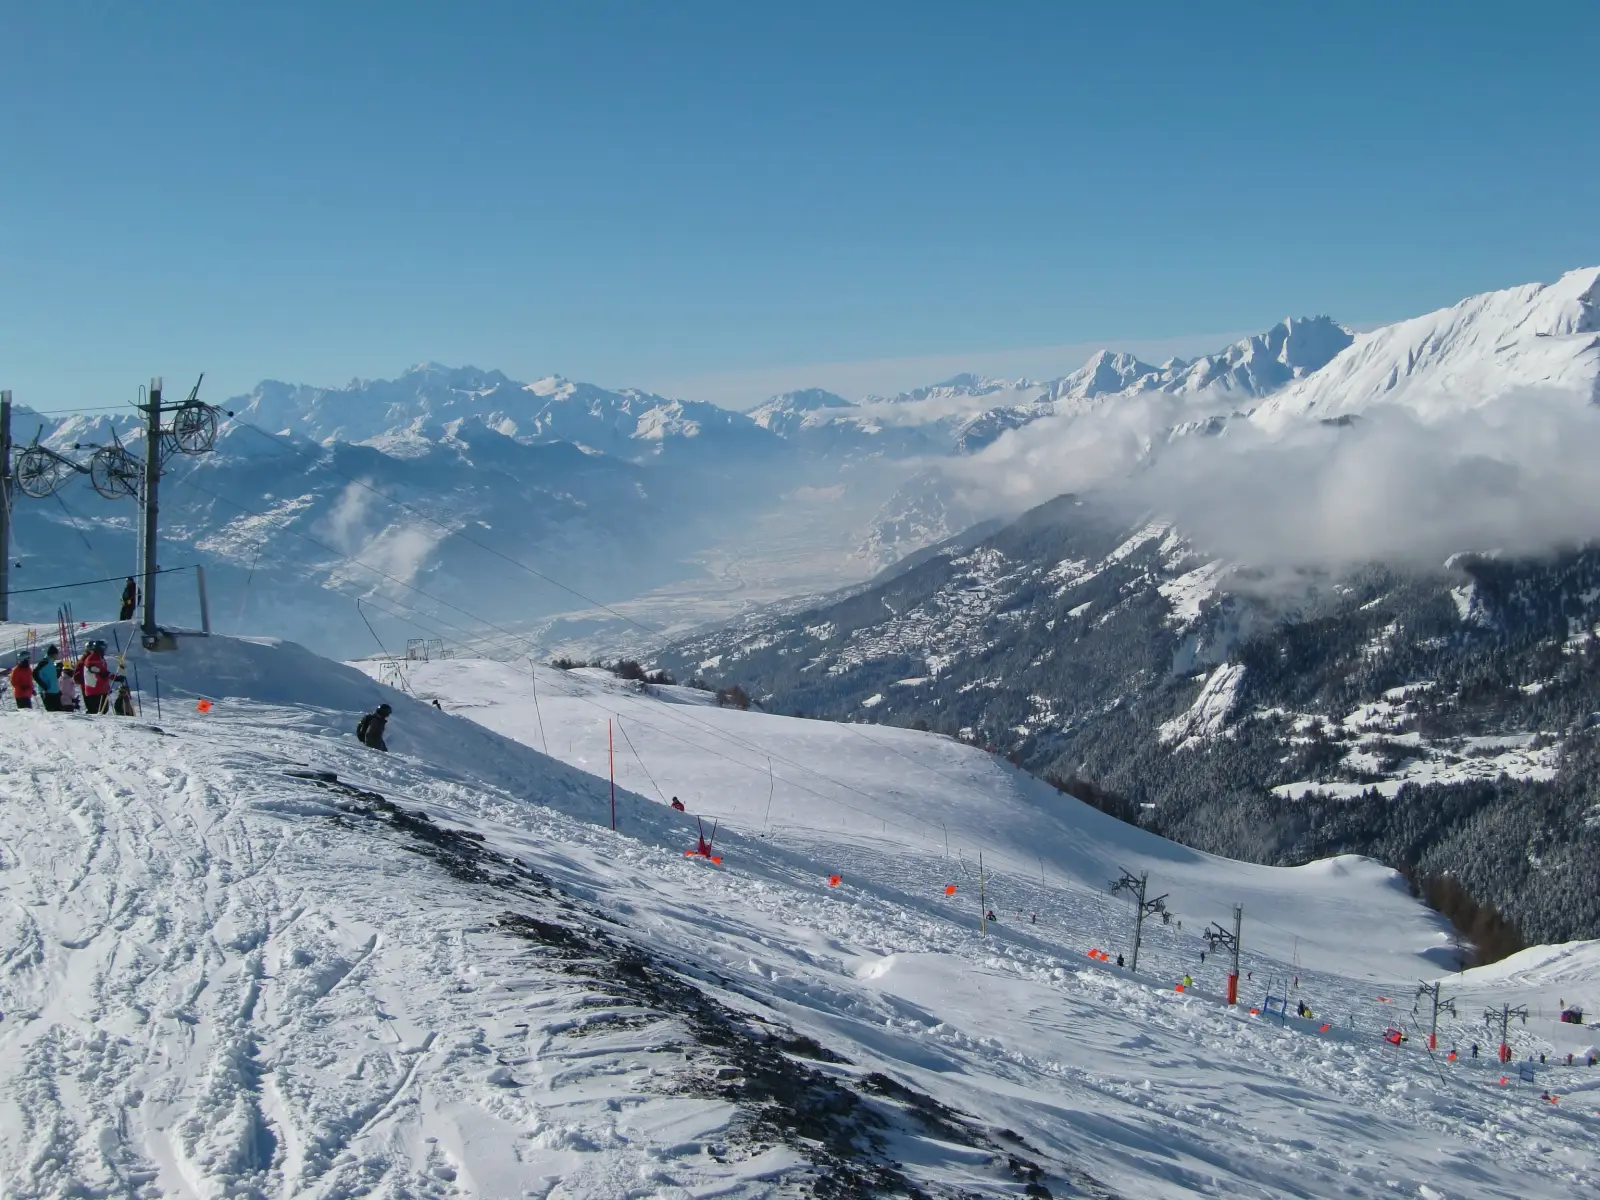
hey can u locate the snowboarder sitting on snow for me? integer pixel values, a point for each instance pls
(94, 676)
(48, 676)
(1120, 963)
(123, 706)
(369, 732)
(677, 804)
(130, 598)
(22, 685)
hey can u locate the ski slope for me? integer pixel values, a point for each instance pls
(869, 800)
(223, 973)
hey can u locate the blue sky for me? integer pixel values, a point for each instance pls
(722, 200)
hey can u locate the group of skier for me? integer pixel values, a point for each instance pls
(58, 684)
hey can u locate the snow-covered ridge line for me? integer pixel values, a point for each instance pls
(1534, 336)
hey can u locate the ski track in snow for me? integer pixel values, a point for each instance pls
(215, 983)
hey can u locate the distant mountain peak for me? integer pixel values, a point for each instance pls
(806, 399)
(1537, 335)
(789, 412)
(1107, 371)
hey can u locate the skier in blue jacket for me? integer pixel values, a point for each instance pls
(48, 676)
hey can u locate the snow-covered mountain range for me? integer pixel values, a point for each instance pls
(967, 412)
(477, 488)
(432, 401)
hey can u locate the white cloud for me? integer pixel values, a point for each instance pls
(1515, 474)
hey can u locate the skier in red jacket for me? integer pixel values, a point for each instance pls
(94, 675)
(22, 684)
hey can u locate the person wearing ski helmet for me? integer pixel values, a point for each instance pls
(94, 677)
(369, 731)
(48, 676)
(22, 685)
(69, 688)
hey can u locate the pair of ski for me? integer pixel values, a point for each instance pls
(704, 848)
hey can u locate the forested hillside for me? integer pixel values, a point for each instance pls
(1435, 717)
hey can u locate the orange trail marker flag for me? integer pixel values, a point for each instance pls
(203, 706)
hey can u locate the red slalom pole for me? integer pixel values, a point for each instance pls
(611, 753)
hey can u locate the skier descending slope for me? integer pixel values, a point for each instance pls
(369, 731)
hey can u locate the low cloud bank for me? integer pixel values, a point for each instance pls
(1519, 474)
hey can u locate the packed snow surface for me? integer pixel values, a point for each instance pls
(241, 955)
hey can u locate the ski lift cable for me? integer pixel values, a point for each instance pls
(692, 744)
(25, 411)
(466, 537)
(642, 767)
(372, 631)
(57, 587)
(306, 574)
(710, 730)
(945, 775)
(438, 620)
(73, 521)
(533, 676)
(302, 573)
(669, 713)
(656, 634)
